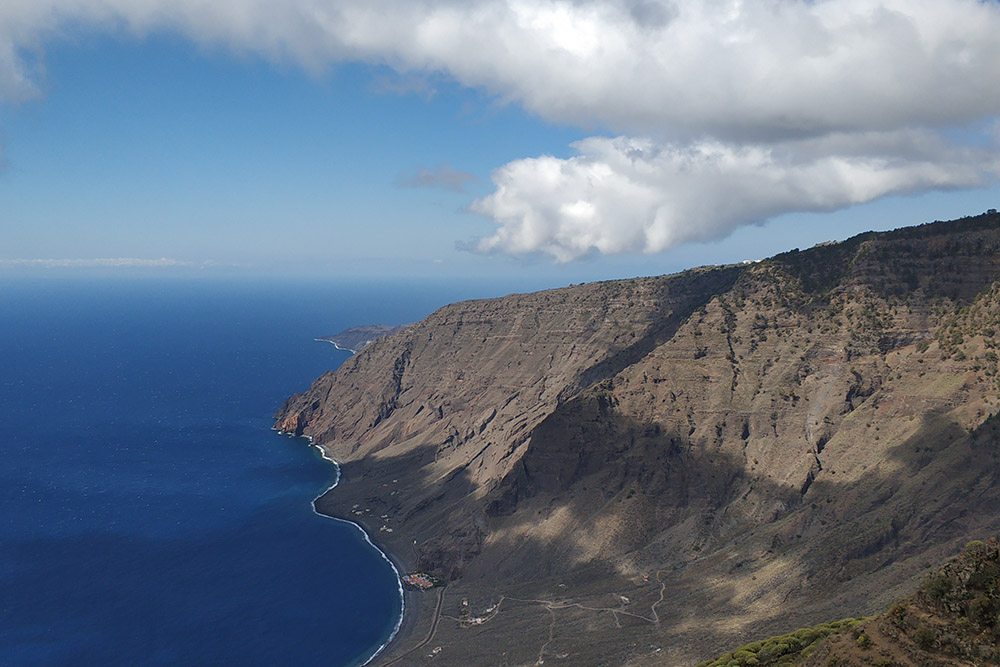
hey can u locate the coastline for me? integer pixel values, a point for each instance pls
(409, 602)
(342, 349)
(408, 614)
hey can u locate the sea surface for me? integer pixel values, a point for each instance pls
(148, 513)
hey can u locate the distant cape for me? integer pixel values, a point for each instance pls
(354, 339)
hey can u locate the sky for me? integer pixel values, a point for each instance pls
(553, 142)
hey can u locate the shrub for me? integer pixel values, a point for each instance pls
(985, 579)
(807, 635)
(924, 637)
(781, 650)
(937, 586)
(983, 612)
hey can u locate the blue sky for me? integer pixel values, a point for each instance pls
(158, 148)
(590, 144)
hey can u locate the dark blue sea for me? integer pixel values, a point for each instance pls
(148, 513)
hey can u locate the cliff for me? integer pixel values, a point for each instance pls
(648, 471)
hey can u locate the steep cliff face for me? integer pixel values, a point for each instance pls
(457, 396)
(728, 449)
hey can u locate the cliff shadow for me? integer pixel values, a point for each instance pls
(605, 507)
(672, 511)
(697, 290)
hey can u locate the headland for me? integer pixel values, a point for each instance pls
(649, 471)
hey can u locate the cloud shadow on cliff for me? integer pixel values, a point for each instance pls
(701, 518)
(639, 505)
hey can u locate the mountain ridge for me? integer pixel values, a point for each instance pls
(771, 428)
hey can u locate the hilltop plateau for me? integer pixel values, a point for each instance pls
(652, 471)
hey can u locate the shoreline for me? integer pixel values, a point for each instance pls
(405, 622)
(342, 349)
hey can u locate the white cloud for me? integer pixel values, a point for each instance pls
(624, 194)
(721, 88)
(728, 68)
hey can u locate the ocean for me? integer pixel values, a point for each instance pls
(149, 513)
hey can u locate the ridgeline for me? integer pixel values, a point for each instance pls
(652, 471)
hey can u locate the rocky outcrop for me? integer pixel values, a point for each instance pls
(731, 449)
(353, 339)
(951, 621)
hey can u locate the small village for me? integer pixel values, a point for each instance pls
(420, 581)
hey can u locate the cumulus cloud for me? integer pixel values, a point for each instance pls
(718, 88)
(626, 194)
(442, 176)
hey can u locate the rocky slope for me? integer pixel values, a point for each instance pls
(648, 471)
(951, 621)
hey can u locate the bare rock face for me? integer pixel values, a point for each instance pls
(458, 395)
(664, 466)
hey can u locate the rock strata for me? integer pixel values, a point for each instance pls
(648, 471)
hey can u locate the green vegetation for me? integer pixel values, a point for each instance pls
(955, 614)
(783, 650)
(936, 586)
(966, 592)
(971, 333)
